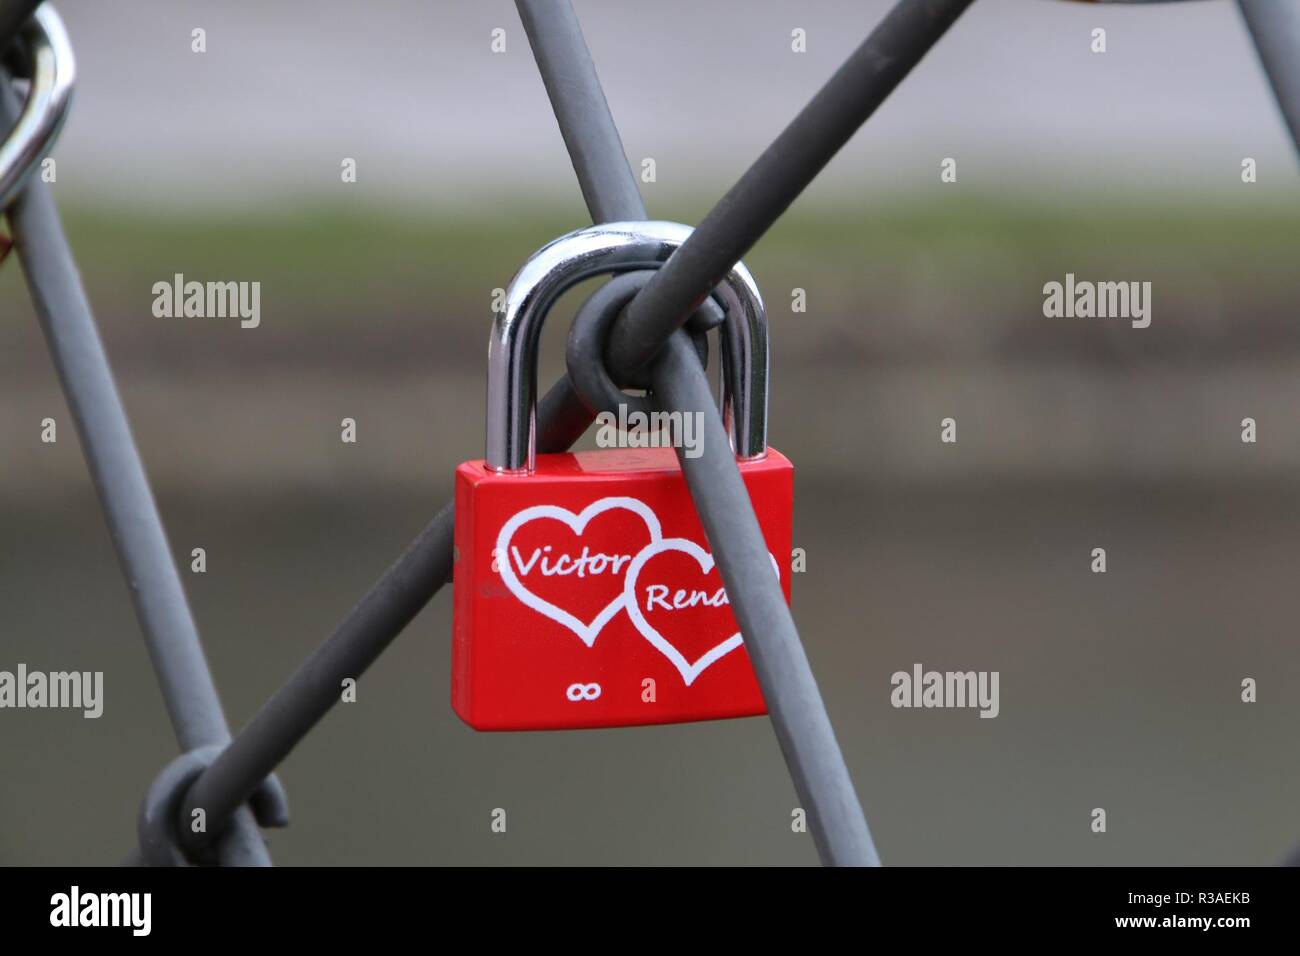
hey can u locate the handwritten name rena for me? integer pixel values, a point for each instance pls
(565, 564)
(682, 599)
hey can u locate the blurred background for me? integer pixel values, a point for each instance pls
(924, 301)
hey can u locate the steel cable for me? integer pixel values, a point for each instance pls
(123, 488)
(410, 582)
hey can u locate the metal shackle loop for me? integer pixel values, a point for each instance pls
(608, 248)
(47, 49)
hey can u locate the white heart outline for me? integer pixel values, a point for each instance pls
(688, 670)
(587, 633)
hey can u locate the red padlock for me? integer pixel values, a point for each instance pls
(585, 594)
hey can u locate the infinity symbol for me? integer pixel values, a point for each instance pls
(582, 692)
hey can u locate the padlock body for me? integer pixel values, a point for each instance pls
(586, 596)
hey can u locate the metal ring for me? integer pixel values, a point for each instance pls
(155, 826)
(611, 247)
(584, 354)
(53, 75)
(162, 803)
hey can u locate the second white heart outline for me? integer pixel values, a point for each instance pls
(589, 632)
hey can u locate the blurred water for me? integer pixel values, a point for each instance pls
(1117, 690)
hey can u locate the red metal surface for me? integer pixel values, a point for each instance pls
(548, 636)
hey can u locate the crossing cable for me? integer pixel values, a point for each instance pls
(596, 150)
(799, 717)
(119, 477)
(1275, 27)
(871, 73)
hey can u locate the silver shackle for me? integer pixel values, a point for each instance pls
(45, 44)
(607, 248)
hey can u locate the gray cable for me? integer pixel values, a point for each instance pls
(798, 714)
(367, 630)
(408, 584)
(316, 685)
(610, 191)
(120, 481)
(799, 717)
(1275, 27)
(778, 176)
(606, 179)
